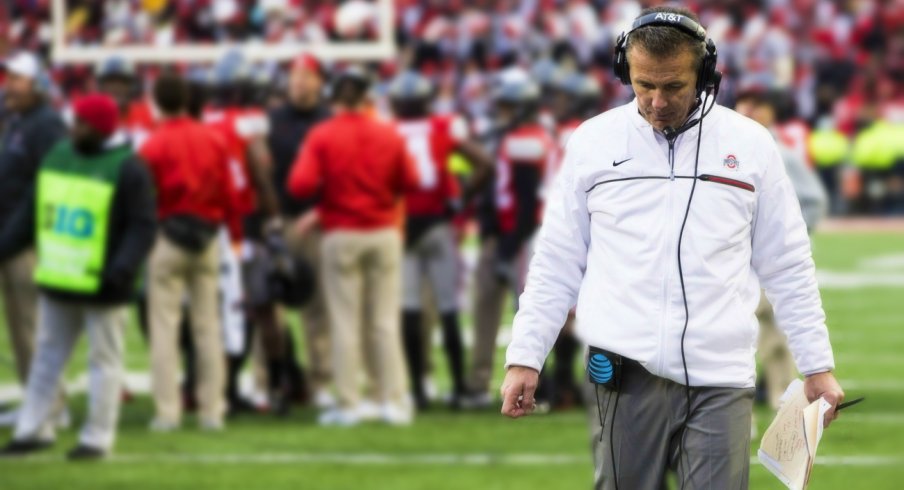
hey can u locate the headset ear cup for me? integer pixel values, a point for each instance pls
(620, 63)
(707, 75)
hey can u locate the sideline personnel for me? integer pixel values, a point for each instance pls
(290, 124)
(360, 169)
(662, 227)
(32, 128)
(188, 164)
(93, 223)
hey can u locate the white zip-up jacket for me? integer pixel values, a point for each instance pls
(609, 243)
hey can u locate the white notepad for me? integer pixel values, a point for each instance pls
(788, 448)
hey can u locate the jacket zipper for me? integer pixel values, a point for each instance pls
(671, 159)
(726, 181)
(666, 290)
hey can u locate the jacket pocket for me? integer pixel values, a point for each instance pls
(726, 181)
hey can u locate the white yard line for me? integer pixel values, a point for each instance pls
(857, 280)
(422, 459)
(883, 262)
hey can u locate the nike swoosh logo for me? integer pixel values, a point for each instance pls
(615, 164)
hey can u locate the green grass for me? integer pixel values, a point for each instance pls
(867, 326)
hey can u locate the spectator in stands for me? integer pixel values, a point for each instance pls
(95, 208)
(360, 169)
(194, 198)
(30, 130)
(292, 123)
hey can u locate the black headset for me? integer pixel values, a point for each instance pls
(708, 77)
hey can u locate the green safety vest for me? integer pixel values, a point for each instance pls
(459, 165)
(877, 147)
(829, 147)
(74, 196)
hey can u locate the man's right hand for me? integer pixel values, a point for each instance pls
(520, 382)
(306, 222)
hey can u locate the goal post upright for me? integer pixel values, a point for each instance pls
(382, 48)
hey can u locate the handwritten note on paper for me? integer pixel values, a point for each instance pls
(788, 448)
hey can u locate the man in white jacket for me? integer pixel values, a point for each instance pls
(669, 214)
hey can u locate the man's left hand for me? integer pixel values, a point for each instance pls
(824, 385)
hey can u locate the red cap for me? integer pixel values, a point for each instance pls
(309, 62)
(98, 111)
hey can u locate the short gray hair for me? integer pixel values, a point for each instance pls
(665, 41)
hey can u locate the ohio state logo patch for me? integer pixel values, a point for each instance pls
(731, 162)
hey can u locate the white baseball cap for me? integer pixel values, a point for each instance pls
(23, 64)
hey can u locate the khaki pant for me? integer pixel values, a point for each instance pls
(490, 294)
(61, 325)
(774, 356)
(20, 302)
(361, 280)
(171, 272)
(316, 326)
(20, 305)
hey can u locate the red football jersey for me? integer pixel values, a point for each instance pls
(141, 120)
(430, 142)
(527, 145)
(237, 126)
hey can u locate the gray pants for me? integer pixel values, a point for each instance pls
(434, 257)
(59, 326)
(648, 419)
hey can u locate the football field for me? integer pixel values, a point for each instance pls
(862, 280)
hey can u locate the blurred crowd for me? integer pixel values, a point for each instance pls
(839, 65)
(165, 23)
(236, 191)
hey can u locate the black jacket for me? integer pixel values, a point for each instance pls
(26, 139)
(129, 239)
(288, 129)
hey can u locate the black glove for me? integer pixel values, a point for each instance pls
(504, 270)
(278, 252)
(454, 207)
(118, 279)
